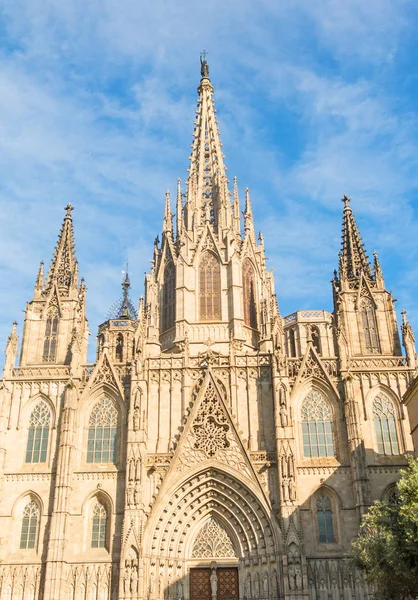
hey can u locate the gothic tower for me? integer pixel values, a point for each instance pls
(215, 449)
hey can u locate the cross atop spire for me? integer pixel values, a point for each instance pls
(353, 258)
(204, 67)
(63, 267)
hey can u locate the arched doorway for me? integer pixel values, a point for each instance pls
(212, 524)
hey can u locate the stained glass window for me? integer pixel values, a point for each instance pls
(102, 436)
(168, 312)
(51, 335)
(29, 526)
(368, 317)
(209, 288)
(248, 288)
(318, 438)
(385, 425)
(38, 434)
(99, 526)
(325, 523)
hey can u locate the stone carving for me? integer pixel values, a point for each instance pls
(256, 586)
(213, 541)
(294, 568)
(211, 436)
(265, 585)
(247, 586)
(214, 583)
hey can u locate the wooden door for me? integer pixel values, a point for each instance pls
(200, 588)
(227, 583)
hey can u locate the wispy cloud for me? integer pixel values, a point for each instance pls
(314, 100)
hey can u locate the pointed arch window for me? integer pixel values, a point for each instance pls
(368, 319)
(209, 288)
(168, 313)
(38, 434)
(291, 340)
(248, 288)
(30, 523)
(119, 348)
(318, 440)
(99, 526)
(385, 425)
(325, 521)
(51, 336)
(102, 433)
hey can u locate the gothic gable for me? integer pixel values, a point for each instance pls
(210, 436)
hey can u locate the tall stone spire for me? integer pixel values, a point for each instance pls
(179, 211)
(63, 268)
(353, 258)
(237, 214)
(207, 193)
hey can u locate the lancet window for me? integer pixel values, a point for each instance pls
(325, 521)
(385, 425)
(51, 336)
(168, 313)
(368, 318)
(291, 341)
(209, 288)
(317, 431)
(119, 348)
(38, 434)
(99, 526)
(248, 285)
(30, 523)
(102, 433)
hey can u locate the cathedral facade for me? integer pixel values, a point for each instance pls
(215, 450)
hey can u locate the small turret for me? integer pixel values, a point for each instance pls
(116, 334)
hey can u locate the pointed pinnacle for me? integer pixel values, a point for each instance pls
(167, 224)
(248, 209)
(40, 280)
(179, 210)
(353, 258)
(63, 266)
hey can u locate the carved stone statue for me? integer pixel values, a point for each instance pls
(285, 490)
(126, 579)
(265, 585)
(247, 586)
(284, 419)
(179, 590)
(130, 495)
(134, 580)
(256, 586)
(214, 583)
(292, 489)
(136, 419)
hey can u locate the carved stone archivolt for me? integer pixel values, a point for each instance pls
(218, 496)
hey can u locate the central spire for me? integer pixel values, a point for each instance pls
(208, 198)
(353, 258)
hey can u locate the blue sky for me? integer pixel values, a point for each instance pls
(314, 99)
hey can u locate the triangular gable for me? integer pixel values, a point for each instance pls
(168, 254)
(104, 373)
(209, 242)
(364, 291)
(210, 435)
(312, 366)
(53, 299)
